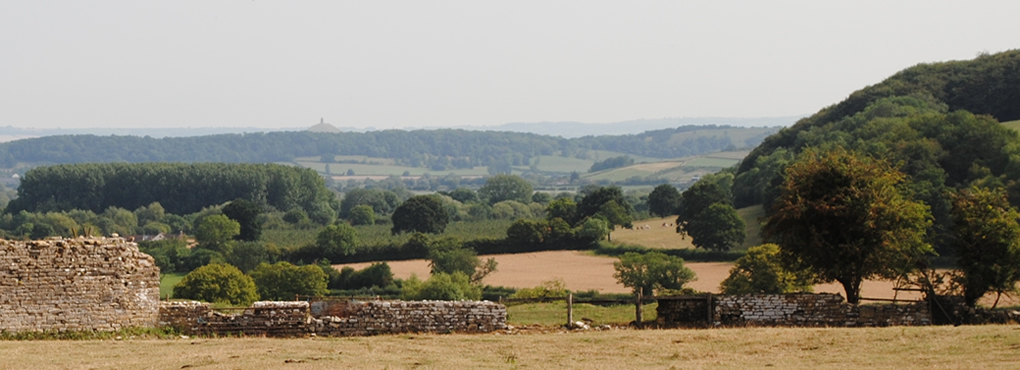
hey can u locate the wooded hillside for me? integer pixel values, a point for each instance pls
(938, 123)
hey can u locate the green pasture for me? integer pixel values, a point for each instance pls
(555, 163)
(340, 169)
(167, 282)
(737, 154)
(1015, 125)
(712, 162)
(752, 229)
(352, 158)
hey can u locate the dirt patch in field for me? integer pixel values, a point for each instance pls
(581, 271)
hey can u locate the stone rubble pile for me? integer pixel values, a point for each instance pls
(77, 284)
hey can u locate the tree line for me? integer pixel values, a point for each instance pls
(180, 188)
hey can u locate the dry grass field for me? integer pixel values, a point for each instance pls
(964, 347)
(581, 272)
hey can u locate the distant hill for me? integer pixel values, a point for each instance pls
(571, 129)
(322, 126)
(437, 150)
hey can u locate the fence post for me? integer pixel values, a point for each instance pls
(637, 309)
(570, 310)
(710, 315)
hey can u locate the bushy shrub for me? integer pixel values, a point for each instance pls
(652, 271)
(547, 289)
(442, 287)
(377, 275)
(217, 283)
(362, 215)
(761, 271)
(282, 281)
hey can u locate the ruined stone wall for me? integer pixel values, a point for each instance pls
(76, 284)
(337, 318)
(794, 310)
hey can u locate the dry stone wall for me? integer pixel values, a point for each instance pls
(790, 310)
(337, 318)
(58, 284)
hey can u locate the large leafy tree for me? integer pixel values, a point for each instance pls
(698, 197)
(216, 231)
(502, 187)
(420, 213)
(717, 227)
(448, 256)
(705, 214)
(652, 271)
(844, 215)
(664, 200)
(246, 213)
(337, 240)
(607, 203)
(987, 242)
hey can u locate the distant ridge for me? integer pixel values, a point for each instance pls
(565, 129)
(572, 129)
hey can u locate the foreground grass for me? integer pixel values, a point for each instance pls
(896, 347)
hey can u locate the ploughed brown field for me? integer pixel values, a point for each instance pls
(582, 271)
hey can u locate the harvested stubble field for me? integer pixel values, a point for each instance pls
(974, 347)
(582, 272)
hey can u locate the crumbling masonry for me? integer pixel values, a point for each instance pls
(58, 284)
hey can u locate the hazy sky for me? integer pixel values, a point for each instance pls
(400, 64)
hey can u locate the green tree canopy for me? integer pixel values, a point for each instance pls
(717, 227)
(664, 200)
(504, 187)
(699, 197)
(454, 286)
(362, 215)
(562, 208)
(987, 242)
(421, 213)
(216, 231)
(246, 213)
(217, 283)
(653, 271)
(448, 255)
(281, 281)
(337, 240)
(844, 215)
